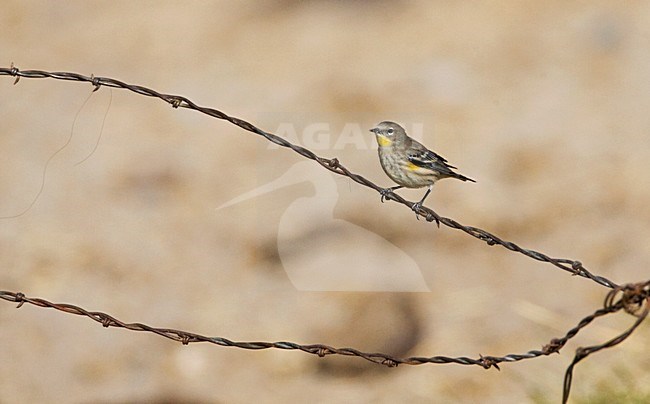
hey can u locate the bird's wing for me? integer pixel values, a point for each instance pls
(420, 156)
(423, 157)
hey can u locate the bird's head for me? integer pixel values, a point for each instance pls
(388, 132)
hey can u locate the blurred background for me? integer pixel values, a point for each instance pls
(545, 104)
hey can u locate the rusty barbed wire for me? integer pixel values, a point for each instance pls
(573, 266)
(634, 294)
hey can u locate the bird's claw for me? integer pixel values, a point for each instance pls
(416, 208)
(430, 216)
(384, 193)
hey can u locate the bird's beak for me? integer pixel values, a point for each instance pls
(374, 130)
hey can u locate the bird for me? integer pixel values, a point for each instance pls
(409, 163)
(322, 253)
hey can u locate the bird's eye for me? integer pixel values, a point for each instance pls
(390, 131)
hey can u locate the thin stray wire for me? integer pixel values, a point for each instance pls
(49, 160)
(333, 165)
(101, 130)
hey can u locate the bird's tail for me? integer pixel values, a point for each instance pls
(462, 177)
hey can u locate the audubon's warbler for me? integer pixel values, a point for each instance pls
(407, 162)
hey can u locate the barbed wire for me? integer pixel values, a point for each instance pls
(632, 298)
(177, 101)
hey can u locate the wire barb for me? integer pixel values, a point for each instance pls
(95, 82)
(13, 71)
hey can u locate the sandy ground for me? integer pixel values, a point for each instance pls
(545, 104)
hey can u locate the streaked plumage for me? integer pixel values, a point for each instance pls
(409, 163)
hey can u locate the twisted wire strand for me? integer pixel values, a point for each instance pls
(635, 300)
(637, 293)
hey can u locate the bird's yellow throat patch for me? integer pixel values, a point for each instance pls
(383, 141)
